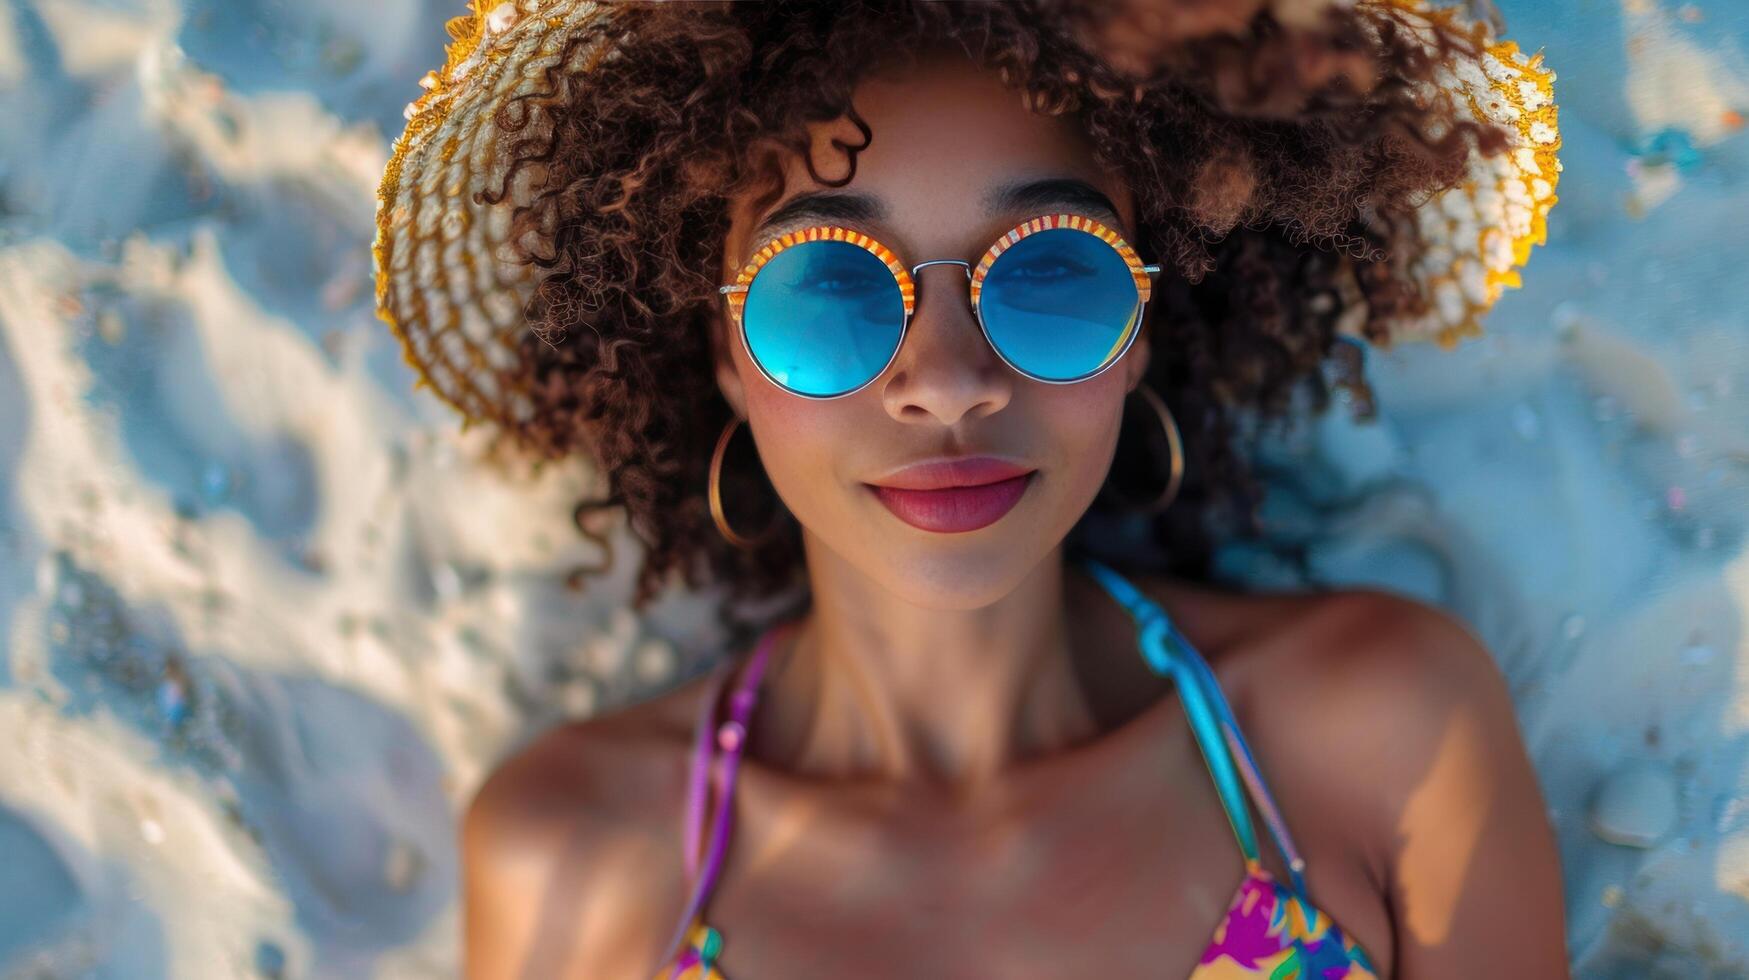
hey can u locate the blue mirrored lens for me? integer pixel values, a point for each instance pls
(1060, 304)
(824, 318)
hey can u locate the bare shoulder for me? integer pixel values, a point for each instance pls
(570, 846)
(1364, 653)
(1361, 687)
(1389, 737)
(1386, 684)
(1332, 658)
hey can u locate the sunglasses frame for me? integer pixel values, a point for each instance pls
(736, 292)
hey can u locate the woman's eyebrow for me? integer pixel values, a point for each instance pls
(1034, 196)
(818, 208)
(1030, 196)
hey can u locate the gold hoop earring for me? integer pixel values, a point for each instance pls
(714, 491)
(1175, 448)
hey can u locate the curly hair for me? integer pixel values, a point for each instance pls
(1275, 162)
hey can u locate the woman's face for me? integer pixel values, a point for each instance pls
(946, 138)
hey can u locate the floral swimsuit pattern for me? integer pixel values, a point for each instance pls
(1271, 930)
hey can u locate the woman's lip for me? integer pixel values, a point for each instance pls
(952, 471)
(955, 509)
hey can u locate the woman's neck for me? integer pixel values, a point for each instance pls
(873, 686)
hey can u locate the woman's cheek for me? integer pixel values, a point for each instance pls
(1086, 419)
(802, 444)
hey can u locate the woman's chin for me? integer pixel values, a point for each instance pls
(957, 574)
(946, 570)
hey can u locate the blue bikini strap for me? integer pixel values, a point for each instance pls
(1170, 654)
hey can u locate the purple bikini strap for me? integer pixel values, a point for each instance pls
(701, 753)
(731, 735)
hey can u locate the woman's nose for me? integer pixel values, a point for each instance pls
(945, 369)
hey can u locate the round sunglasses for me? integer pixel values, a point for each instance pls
(822, 311)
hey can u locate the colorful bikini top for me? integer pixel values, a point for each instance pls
(1271, 928)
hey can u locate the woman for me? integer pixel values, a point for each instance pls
(928, 254)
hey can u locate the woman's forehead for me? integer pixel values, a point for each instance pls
(951, 150)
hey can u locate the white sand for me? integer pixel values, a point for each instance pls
(264, 623)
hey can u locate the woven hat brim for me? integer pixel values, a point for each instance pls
(446, 282)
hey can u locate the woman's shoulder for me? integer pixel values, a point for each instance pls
(1341, 685)
(571, 845)
(1357, 703)
(1339, 654)
(1386, 734)
(595, 765)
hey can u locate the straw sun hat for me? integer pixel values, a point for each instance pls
(446, 283)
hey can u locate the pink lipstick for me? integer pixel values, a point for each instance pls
(953, 494)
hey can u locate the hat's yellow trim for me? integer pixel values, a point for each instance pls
(1538, 133)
